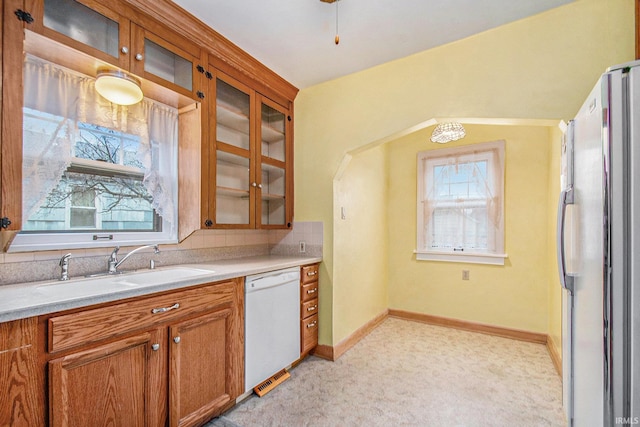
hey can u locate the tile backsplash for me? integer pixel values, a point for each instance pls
(202, 246)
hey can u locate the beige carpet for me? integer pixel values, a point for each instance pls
(412, 374)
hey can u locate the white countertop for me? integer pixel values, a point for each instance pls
(33, 299)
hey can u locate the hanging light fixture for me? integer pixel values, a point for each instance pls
(447, 132)
(337, 38)
(118, 87)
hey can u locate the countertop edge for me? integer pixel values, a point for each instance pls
(224, 269)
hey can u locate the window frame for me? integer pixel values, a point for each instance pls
(37, 240)
(493, 257)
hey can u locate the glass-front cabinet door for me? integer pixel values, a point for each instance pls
(252, 159)
(107, 34)
(234, 177)
(272, 209)
(170, 61)
(97, 30)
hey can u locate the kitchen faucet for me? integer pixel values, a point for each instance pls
(113, 258)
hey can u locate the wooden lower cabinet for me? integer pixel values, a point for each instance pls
(181, 371)
(20, 380)
(200, 378)
(116, 384)
(308, 308)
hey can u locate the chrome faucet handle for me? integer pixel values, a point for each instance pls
(114, 254)
(113, 261)
(64, 267)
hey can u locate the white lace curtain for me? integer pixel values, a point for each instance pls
(70, 98)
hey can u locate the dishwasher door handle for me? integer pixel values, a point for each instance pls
(271, 281)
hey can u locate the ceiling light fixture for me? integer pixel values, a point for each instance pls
(118, 87)
(337, 38)
(447, 132)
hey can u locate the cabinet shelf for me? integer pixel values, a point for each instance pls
(271, 135)
(235, 193)
(271, 197)
(232, 119)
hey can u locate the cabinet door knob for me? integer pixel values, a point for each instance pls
(124, 49)
(254, 184)
(155, 347)
(259, 185)
(176, 340)
(208, 223)
(139, 56)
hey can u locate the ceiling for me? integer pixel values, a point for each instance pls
(295, 38)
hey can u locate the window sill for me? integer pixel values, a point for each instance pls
(471, 258)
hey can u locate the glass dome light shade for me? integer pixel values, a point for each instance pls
(118, 87)
(447, 132)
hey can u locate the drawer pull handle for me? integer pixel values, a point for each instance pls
(311, 291)
(155, 347)
(165, 309)
(312, 324)
(312, 308)
(312, 273)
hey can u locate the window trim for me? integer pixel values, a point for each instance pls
(466, 256)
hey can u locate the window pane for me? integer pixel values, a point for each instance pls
(82, 218)
(91, 194)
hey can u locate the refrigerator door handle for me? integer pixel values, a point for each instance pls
(566, 198)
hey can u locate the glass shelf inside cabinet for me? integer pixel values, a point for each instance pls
(232, 188)
(167, 65)
(232, 115)
(83, 24)
(273, 132)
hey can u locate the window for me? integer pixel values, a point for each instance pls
(94, 173)
(461, 204)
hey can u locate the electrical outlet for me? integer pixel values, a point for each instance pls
(465, 274)
(303, 246)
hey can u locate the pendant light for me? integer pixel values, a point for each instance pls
(447, 132)
(118, 87)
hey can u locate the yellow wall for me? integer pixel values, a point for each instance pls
(514, 295)
(360, 243)
(541, 67)
(555, 293)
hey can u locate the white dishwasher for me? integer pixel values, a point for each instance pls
(272, 324)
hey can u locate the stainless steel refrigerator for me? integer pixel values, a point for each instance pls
(599, 254)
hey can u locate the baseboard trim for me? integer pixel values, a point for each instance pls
(499, 331)
(323, 351)
(556, 358)
(333, 353)
(346, 344)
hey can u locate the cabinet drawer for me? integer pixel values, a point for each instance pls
(309, 308)
(309, 273)
(309, 333)
(92, 325)
(309, 291)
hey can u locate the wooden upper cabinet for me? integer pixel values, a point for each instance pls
(106, 32)
(250, 158)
